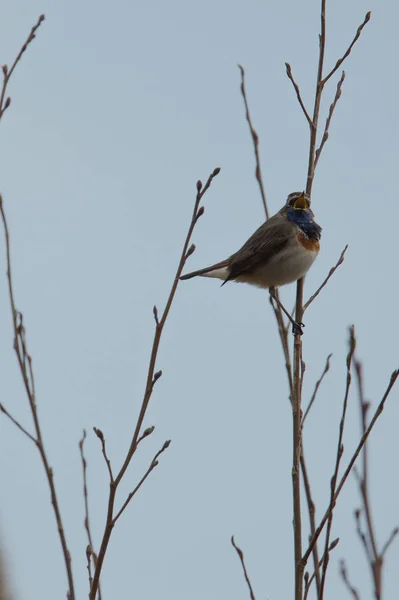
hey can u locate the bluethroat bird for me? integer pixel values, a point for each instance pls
(281, 251)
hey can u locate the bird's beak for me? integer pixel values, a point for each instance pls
(301, 203)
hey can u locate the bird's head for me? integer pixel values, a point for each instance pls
(298, 206)
(298, 201)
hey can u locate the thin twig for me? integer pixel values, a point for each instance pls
(297, 447)
(298, 92)
(25, 366)
(17, 424)
(90, 553)
(309, 580)
(7, 73)
(363, 439)
(389, 541)
(241, 557)
(328, 120)
(345, 578)
(368, 537)
(255, 139)
(330, 274)
(340, 451)
(349, 50)
(150, 382)
(154, 463)
(316, 388)
(312, 516)
(101, 437)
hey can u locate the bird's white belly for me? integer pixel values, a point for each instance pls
(290, 265)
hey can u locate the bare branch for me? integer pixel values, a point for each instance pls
(389, 541)
(316, 388)
(152, 466)
(363, 439)
(241, 557)
(25, 366)
(345, 578)
(312, 517)
(160, 324)
(90, 553)
(255, 139)
(330, 274)
(368, 536)
(17, 424)
(328, 120)
(7, 73)
(298, 93)
(101, 437)
(309, 580)
(340, 451)
(90, 548)
(349, 50)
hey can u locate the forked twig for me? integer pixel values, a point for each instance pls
(154, 463)
(152, 377)
(17, 423)
(25, 366)
(241, 557)
(375, 558)
(309, 579)
(362, 441)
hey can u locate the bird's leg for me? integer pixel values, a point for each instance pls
(296, 327)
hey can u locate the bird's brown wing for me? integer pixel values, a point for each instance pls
(268, 239)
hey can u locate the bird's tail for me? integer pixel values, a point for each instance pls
(219, 271)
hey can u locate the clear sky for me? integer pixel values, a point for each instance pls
(117, 109)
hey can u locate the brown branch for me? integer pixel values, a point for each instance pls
(312, 517)
(330, 274)
(241, 557)
(90, 553)
(345, 578)
(25, 366)
(389, 541)
(328, 120)
(297, 446)
(363, 439)
(368, 537)
(298, 93)
(101, 437)
(349, 50)
(316, 388)
(255, 139)
(154, 463)
(7, 73)
(340, 451)
(17, 424)
(151, 379)
(309, 580)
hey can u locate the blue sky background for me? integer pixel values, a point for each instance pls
(117, 109)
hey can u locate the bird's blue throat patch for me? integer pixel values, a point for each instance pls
(305, 221)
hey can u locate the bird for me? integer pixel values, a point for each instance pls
(281, 250)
